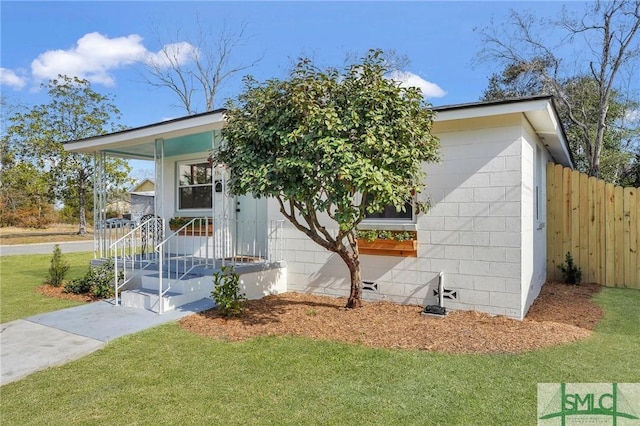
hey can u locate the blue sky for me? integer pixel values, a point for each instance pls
(105, 41)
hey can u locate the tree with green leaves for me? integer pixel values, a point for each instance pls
(74, 111)
(324, 141)
(606, 59)
(621, 138)
(25, 195)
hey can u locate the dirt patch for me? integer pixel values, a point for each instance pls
(561, 314)
(58, 292)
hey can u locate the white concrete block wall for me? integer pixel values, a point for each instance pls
(473, 233)
(480, 178)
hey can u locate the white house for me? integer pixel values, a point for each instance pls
(141, 198)
(485, 232)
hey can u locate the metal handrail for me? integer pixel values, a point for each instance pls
(183, 256)
(125, 249)
(203, 246)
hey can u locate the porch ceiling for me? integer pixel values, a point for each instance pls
(189, 144)
(182, 136)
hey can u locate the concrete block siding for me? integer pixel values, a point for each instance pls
(477, 190)
(473, 232)
(481, 231)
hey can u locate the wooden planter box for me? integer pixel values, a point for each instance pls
(199, 231)
(408, 248)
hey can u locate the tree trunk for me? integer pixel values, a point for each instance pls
(355, 295)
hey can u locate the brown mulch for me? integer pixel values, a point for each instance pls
(58, 292)
(561, 314)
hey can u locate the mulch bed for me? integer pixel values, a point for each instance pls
(58, 292)
(561, 314)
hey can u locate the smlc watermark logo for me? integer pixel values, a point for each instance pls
(589, 403)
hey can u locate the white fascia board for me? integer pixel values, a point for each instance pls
(148, 134)
(549, 129)
(480, 110)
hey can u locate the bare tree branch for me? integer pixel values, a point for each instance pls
(195, 69)
(609, 29)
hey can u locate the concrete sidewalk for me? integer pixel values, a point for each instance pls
(55, 338)
(46, 248)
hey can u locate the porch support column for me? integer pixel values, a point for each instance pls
(158, 157)
(214, 178)
(158, 201)
(100, 242)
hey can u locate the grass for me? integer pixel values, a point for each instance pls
(57, 232)
(20, 275)
(169, 376)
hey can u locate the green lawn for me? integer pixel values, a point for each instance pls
(19, 275)
(168, 376)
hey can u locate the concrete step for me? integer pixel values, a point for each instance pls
(182, 285)
(142, 298)
(181, 291)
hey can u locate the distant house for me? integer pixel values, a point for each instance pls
(142, 198)
(485, 233)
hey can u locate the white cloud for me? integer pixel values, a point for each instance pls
(93, 57)
(408, 79)
(11, 79)
(172, 54)
(632, 115)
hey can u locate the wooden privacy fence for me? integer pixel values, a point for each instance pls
(598, 223)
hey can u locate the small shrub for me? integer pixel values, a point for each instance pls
(98, 281)
(571, 273)
(78, 286)
(58, 268)
(403, 236)
(226, 292)
(377, 234)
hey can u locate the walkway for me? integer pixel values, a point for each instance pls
(55, 338)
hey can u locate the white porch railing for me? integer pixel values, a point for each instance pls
(199, 247)
(187, 248)
(207, 243)
(135, 251)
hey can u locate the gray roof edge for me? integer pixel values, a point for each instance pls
(504, 101)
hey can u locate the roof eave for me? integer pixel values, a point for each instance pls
(539, 111)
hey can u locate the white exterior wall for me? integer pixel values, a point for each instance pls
(534, 254)
(475, 224)
(473, 232)
(528, 224)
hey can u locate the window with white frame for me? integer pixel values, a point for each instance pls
(194, 185)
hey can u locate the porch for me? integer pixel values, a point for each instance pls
(158, 267)
(160, 270)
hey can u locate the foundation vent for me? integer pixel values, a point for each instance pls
(447, 294)
(369, 286)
